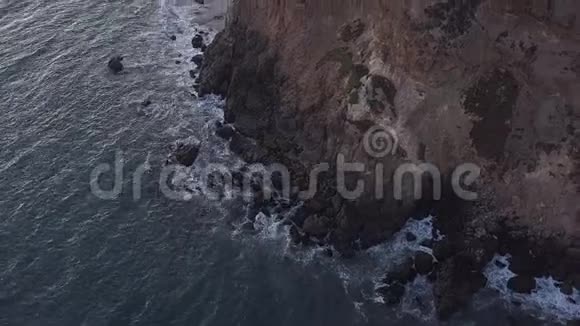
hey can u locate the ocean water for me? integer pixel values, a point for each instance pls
(68, 257)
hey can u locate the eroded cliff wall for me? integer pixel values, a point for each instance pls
(489, 82)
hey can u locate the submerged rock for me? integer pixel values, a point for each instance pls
(197, 41)
(146, 103)
(115, 64)
(423, 262)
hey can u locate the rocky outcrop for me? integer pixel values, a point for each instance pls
(184, 152)
(486, 82)
(197, 59)
(423, 263)
(197, 41)
(115, 64)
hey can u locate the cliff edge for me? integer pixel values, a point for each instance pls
(486, 86)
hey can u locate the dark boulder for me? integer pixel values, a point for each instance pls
(410, 237)
(402, 273)
(197, 59)
(522, 284)
(146, 103)
(423, 262)
(197, 41)
(225, 131)
(115, 64)
(173, 37)
(184, 152)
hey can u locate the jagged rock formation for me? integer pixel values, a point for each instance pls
(488, 82)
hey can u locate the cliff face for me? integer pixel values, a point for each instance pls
(493, 83)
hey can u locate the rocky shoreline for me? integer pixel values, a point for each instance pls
(486, 82)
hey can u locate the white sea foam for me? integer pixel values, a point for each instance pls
(546, 301)
(376, 261)
(363, 275)
(399, 247)
(270, 229)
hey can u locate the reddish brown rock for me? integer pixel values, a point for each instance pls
(487, 82)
